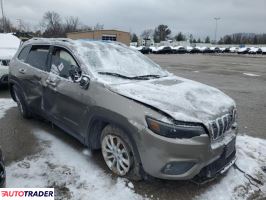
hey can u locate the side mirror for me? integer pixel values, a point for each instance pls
(84, 82)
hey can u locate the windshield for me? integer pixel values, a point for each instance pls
(114, 59)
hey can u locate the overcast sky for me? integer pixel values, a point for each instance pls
(188, 16)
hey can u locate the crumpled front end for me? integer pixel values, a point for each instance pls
(185, 101)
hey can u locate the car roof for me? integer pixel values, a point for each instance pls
(68, 42)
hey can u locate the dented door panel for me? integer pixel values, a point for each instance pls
(63, 101)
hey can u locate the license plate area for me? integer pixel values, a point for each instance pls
(229, 148)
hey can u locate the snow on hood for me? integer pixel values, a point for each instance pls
(182, 99)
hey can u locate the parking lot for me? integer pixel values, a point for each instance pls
(24, 141)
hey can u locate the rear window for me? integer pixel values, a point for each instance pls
(24, 53)
(38, 56)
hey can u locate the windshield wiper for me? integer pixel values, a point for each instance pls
(115, 74)
(144, 77)
(147, 76)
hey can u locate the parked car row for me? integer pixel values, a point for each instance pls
(196, 50)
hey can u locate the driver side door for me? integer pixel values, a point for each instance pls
(63, 98)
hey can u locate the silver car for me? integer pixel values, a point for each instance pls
(145, 120)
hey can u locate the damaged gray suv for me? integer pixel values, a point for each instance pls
(145, 120)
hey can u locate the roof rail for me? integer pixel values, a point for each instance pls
(61, 39)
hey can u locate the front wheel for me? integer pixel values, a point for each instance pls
(118, 153)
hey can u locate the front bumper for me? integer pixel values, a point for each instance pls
(187, 157)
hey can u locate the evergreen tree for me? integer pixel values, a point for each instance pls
(134, 38)
(180, 37)
(207, 39)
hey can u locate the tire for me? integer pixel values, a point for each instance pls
(22, 106)
(122, 151)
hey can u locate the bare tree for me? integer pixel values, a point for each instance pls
(71, 24)
(6, 25)
(52, 24)
(147, 34)
(23, 26)
(84, 27)
(98, 26)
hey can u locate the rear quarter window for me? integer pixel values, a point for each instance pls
(38, 57)
(24, 53)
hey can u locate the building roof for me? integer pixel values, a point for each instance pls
(96, 31)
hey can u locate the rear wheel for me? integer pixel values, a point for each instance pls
(23, 109)
(118, 153)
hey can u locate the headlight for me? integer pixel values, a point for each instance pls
(177, 130)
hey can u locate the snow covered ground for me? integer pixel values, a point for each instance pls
(6, 104)
(250, 74)
(75, 175)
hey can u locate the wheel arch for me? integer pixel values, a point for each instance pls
(101, 119)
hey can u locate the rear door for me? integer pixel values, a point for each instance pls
(63, 98)
(32, 72)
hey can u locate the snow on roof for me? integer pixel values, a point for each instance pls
(263, 49)
(9, 45)
(242, 49)
(178, 47)
(9, 41)
(7, 54)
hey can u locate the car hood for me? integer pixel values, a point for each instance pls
(182, 99)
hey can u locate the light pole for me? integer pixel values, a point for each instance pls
(19, 24)
(216, 27)
(3, 16)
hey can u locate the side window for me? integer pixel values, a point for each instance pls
(62, 63)
(38, 56)
(24, 53)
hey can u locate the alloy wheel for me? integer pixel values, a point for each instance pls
(116, 154)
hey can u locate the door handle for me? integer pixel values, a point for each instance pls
(49, 82)
(22, 70)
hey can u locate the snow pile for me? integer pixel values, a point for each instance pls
(9, 45)
(73, 174)
(250, 74)
(251, 154)
(6, 104)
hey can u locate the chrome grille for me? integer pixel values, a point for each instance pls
(222, 124)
